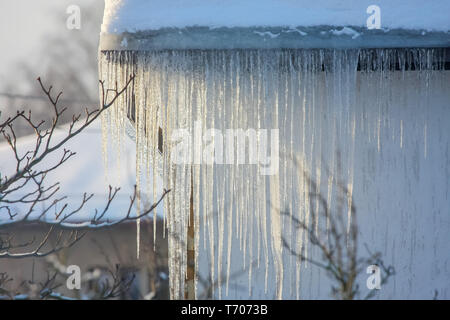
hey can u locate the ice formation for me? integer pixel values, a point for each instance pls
(340, 114)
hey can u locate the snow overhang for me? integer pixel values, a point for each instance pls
(273, 37)
(246, 24)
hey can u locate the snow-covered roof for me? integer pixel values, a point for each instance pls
(85, 172)
(136, 24)
(138, 15)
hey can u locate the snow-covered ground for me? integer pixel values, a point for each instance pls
(85, 172)
(137, 15)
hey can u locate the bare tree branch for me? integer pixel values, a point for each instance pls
(27, 185)
(337, 242)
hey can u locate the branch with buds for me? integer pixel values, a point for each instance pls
(27, 184)
(336, 238)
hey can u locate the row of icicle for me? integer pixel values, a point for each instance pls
(321, 101)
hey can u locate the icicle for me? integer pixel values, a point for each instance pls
(401, 134)
(276, 233)
(425, 141)
(310, 94)
(350, 177)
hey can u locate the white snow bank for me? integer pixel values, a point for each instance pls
(137, 15)
(85, 172)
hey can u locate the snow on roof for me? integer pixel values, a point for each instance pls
(85, 172)
(139, 15)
